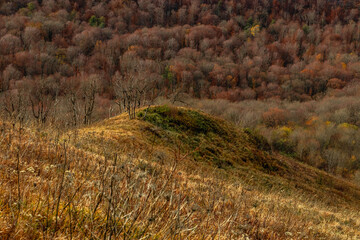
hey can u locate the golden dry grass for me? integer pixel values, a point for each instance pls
(119, 179)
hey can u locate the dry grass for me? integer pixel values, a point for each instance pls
(115, 180)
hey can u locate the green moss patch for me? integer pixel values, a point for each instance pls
(207, 138)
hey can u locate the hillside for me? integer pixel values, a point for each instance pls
(253, 132)
(211, 141)
(171, 173)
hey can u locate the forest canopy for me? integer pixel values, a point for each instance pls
(214, 49)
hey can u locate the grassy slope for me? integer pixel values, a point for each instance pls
(235, 156)
(216, 142)
(195, 176)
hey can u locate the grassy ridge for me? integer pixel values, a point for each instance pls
(171, 173)
(216, 143)
(209, 139)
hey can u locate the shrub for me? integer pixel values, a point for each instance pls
(280, 141)
(333, 158)
(258, 139)
(335, 83)
(97, 22)
(274, 117)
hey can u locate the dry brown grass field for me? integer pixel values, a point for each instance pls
(172, 173)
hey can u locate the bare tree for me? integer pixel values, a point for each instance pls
(10, 73)
(80, 94)
(10, 44)
(14, 105)
(88, 89)
(131, 91)
(71, 90)
(74, 107)
(43, 97)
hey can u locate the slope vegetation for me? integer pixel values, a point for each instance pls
(213, 142)
(173, 173)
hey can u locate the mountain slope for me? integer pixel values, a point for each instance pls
(172, 173)
(217, 147)
(213, 141)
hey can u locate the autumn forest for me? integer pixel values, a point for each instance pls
(234, 50)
